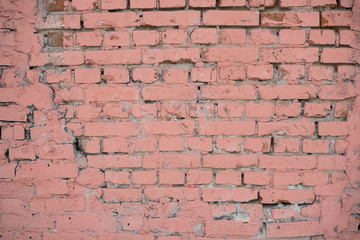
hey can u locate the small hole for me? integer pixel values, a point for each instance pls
(359, 227)
(128, 224)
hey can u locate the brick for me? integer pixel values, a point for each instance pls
(260, 72)
(145, 75)
(336, 18)
(199, 177)
(114, 111)
(286, 145)
(230, 18)
(228, 92)
(230, 54)
(222, 127)
(290, 19)
(179, 55)
(257, 144)
(317, 109)
(144, 177)
(347, 37)
(292, 3)
(203, 75)
(169, 93)
(113, 161)
(262, 37)
(144, 145)
(72, 22)
(113, 57)
(203, 144)
(121, 195)
(287, 92)
(170, 111)
(202, 3)
(288, 109)
(332, 163)
(178, 18)
(315, 146)
(171, 177)
(172, 4)
(341, 110)
(337, 55)
(286, 178)
(290, 55)
(232, 3)
(341, 146)
(25, 152)
(113, 4)
(91, 178)
(111, 93)
(224, 161)
(335, 92)
(111, 129)
(289, 128)
(176, 76)
(143, 4)
(89, 39)
(204, 36)
(7, 170)
(82, 5)
(321, 73)
(322, 37)
(156, 193)
(257, 178)
(117, 39)
(90, 145)
(271, 196)
(13, 114)
(116, 75)
(229, 177)
(292, 37)
(172, 160)
(60, 151)
(230, 110)
(334, 129)
(111, 20)
(174, 36)
(259, 110)
(291, 73)
(283, 213)
(229, 144)
(294, 229)
(54, 6)
(44, 170)
(16, 132)
(169, 144)
(315, 178)
(233, 36)
(146, 38)
(117, 177)
(54, 76)
(87, 75)
(231, 71)
(55, 39)
(225, 195)
(202, 110)
(287, 162)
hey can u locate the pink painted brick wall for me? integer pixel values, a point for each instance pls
(179, 119)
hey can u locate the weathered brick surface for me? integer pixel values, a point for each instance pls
(179, 119)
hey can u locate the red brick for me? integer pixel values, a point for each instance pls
(221, 127)
(89, 39)
(287, 92)
(286, 145)
(176, 76)
(202, 144)
(257, 178)
(291, 73)
(292, 3)
(171, 177)
(287, 162)
(232, 3)
(174, 36)
(146, 38)
(87, 112)
(289, 128)
(231, 18)
(156, 193)
(91, 178)
(321, 73)
(322, 37)
(290, 55)
(114, 111)
(271, 196)
(172, 4)
(341, 146)
(7, 170)
(170, 111)
(13, 114)
(45, 170)
(90, 145)
(230, 110)
(201, 110)
(72, 22)
(288, 109)
(87, 75)
(116, 75)
(315, 178)
(168, 144)
(323, 3)
(144, 145)
(229, 144)
(317, 109)
(143, 4)
(111, 20)
(117, 39)
(333, 129)
(259, 110)
(111, 93)
(336, 19)
(117, 177)
(202, 3)
(81, 5)
(245, 92)
(121, 195)
(111, 129)
(225, 195)
(145, 75)
(203, 75)
(55, 76)
(172, 160)
(144, 177)
(113, 4)
(178, 18)
(114, 161)
(337, 92)
(25, 152)
(179, 55)
(347, 37)
(52, 152)
(204, 36)
(290, 19)
(341, 110)
(229, 177)
(233, 36)
(260, 72)
(292, 37)
(286, 178)
(229, 161)
(143, 110)
(315, 146)
(332, 162)
(231, 71)
(257, 145)
(168, 127)
(337, 55)
(294, 229)
(230, 54)
(263, 37)
(284, 213)
(199, 177)
(132, 56)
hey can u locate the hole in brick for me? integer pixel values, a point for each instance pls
(359, 227)
(69, 218)
(7, 155)
(128, 224)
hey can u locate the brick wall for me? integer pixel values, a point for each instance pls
(179, 119)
